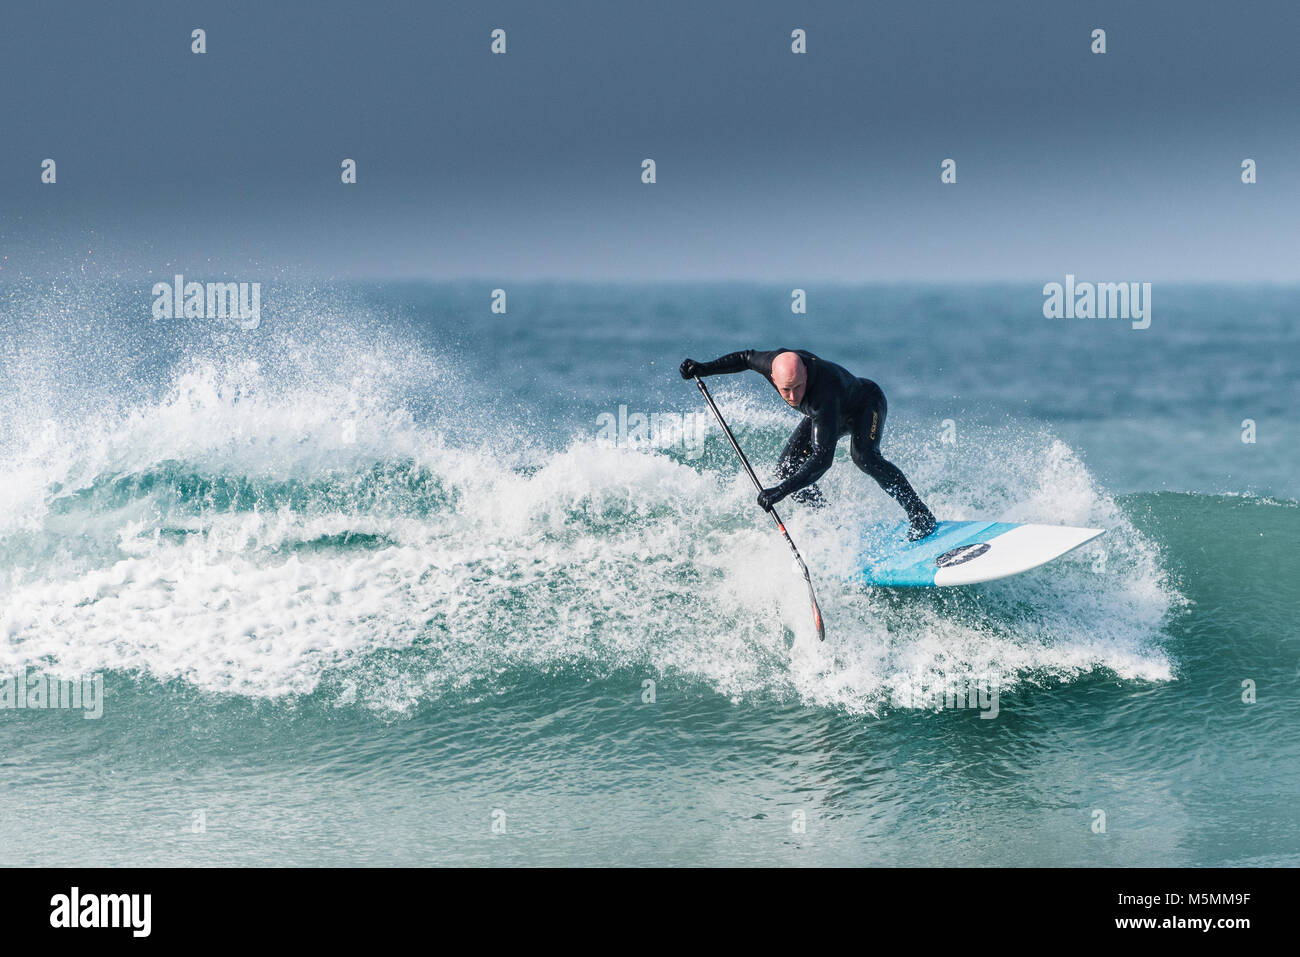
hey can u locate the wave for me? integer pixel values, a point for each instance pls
(256, 538)
(331, 508)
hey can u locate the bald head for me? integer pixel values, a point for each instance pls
(790, 376)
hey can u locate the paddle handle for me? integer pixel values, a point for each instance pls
(731, 438)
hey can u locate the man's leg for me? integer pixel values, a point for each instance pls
(865, 449)
(798, 448)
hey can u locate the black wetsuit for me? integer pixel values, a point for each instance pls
(835, 403)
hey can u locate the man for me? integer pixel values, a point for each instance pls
(835, 403)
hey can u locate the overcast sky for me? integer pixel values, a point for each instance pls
(1123, 166)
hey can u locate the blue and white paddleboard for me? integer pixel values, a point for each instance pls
(963, 553)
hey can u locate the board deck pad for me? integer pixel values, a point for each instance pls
(964, 553)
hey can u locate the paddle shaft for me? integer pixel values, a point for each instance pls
(812, 595)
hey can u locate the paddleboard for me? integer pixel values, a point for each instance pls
(964, 553)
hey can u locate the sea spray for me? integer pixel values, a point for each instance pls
(235, 537)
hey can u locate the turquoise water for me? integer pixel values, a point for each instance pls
(379, 574)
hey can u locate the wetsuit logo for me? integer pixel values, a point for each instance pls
(875, 421)
(961, 554)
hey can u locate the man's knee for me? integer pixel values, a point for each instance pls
(869, 460)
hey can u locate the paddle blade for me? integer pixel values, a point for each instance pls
(817, 612)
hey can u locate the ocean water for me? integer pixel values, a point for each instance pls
(393, 579)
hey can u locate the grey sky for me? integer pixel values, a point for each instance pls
(770, 165)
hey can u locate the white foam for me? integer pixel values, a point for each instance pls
(595, 558)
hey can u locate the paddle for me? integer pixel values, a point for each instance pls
(812, 595)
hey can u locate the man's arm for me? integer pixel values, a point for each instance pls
(760, 362)
(818, 460)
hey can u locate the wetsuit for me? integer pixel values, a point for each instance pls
(835, 403)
